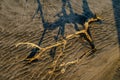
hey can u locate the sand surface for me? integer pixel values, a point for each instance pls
(16, 25)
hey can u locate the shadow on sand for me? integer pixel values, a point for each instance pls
(72, 17)
(116, 8)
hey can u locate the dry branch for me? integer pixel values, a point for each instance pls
(64, 41)
(55, 62)
(63, 44)
(69, 63)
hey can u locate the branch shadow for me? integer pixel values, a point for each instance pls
(86, 10)
(64, 18)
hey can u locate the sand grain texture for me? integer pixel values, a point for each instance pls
(17, 26)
